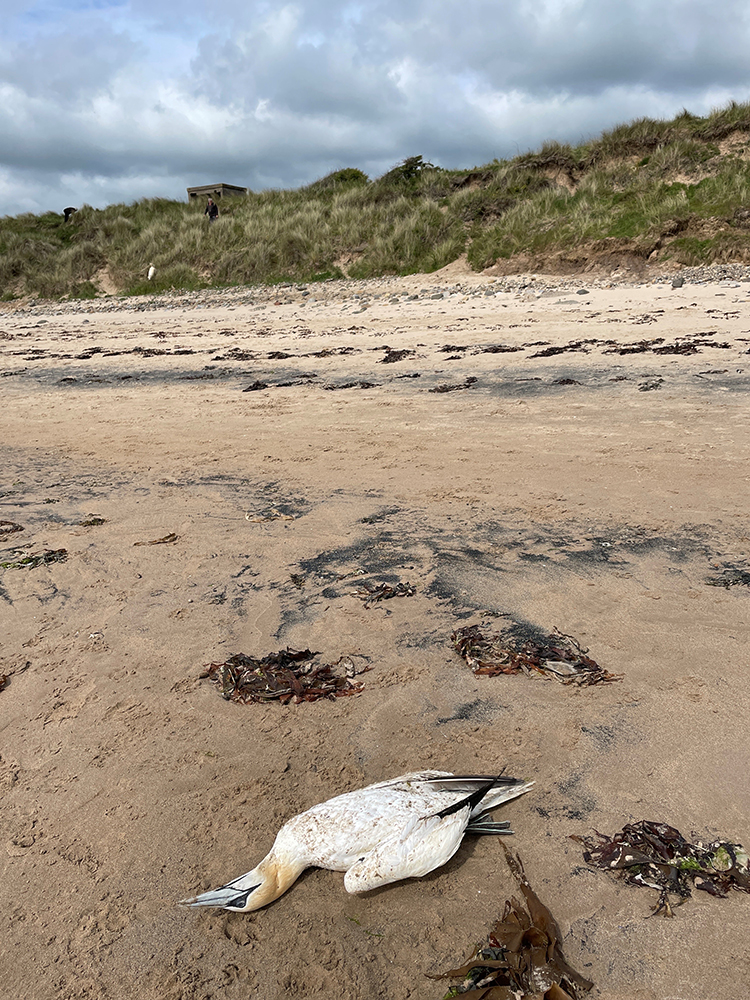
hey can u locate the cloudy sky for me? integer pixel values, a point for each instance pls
(104, 101)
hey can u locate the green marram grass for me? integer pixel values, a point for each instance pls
(671, 190)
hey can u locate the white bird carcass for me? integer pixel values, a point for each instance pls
(402, 828)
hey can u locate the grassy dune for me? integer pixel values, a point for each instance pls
(659, 190)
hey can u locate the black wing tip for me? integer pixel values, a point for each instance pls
(471, 800)
(474, 798)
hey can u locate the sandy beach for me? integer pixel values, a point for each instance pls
(549, 453)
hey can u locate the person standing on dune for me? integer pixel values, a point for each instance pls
(212, 210)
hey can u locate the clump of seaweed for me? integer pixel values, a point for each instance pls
(499, 349)
(8, 528)
(679, 348)
(523, 957)
(466, 384)
(560, 656)
(640, 348)
(352, 385)
(288, 675)
(659, 857)
(551, 352)
(271, 514)
(371, 593)
(730, 576)
(39, 559)
(92, 521)
(392, 355)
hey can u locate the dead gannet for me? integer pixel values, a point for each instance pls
(402, 828)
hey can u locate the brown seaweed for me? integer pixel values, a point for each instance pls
(235, 354)
(149, 352)
(166, 540)
(288, 675)
(92, 521)
(639, 348)
(561, 656)
(391, 355)
(730, 576)
(681, 348)
(328, 352)
(453, 388)
(523, 957)
(8, 528)
(551, 352)
(352, 385)
(658, 857)
(371, 593)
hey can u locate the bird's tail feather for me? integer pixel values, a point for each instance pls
(488, 827)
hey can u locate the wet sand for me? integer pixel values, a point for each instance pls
(545, 459)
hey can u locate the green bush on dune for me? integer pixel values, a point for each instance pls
(669, 190)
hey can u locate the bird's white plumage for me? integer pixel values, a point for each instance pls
(401, 828)
(421, 847)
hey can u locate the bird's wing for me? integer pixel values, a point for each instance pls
(467, 783)
(423, 845)
(483, 792)
(501, 793)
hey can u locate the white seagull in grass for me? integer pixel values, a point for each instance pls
(402, 828)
